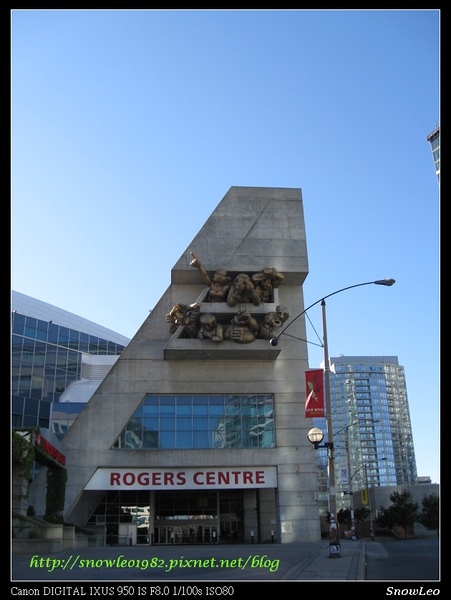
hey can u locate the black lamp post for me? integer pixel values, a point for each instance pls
(334, 545)
(348, 460)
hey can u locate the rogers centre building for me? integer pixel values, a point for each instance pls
(198, 433)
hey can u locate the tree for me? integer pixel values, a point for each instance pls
(402, 512)
(386, 518)
(344, 517)
(360, 514)
(56, 490)
(429, 516)
(24, 454)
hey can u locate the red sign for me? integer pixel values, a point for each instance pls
(189, 478)
(314, 393)
(49, 447)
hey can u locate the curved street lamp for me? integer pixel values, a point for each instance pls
(388, 282)
(348, 461)
(334, 538)
(365, 466)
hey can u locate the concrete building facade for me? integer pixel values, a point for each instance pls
(191, 438)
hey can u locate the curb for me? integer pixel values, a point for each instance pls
(358, 563)
(301, 565)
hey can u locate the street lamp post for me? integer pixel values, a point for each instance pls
(334, 545)
(351, 499)
(334, 542)
(315, 436)
(365, 468)
(369, 502)
(348, 467)
(353, 410)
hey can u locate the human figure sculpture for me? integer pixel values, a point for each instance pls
(272, 321)
(186, 315)
(210, 329)
(243, 328)
(265, 281)
(242, 290)
(219, 285)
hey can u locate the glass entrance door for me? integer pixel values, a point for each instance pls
(185, 534)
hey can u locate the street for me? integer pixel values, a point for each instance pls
(403, 560)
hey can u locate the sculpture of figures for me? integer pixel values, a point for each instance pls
(210, 329)
(272, 321)
(242, 290)
(266, 281)
(242, 329)
(219, 285)
(188, 316)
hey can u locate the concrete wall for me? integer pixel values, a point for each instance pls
(380, 498)
(30, 535)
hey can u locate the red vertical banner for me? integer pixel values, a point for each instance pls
(314, 393)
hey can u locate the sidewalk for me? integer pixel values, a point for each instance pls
(350, 566)
(255, 562)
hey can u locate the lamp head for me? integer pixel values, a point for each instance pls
(387, 282)
(274, 341)
(315, 436)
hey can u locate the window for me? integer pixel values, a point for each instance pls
(187, 422)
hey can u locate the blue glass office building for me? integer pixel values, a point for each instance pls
(48, 345)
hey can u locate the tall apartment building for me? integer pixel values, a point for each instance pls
(52, 351)
(373, 441)
(434, 139)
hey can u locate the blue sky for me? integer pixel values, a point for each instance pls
(130, 126)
